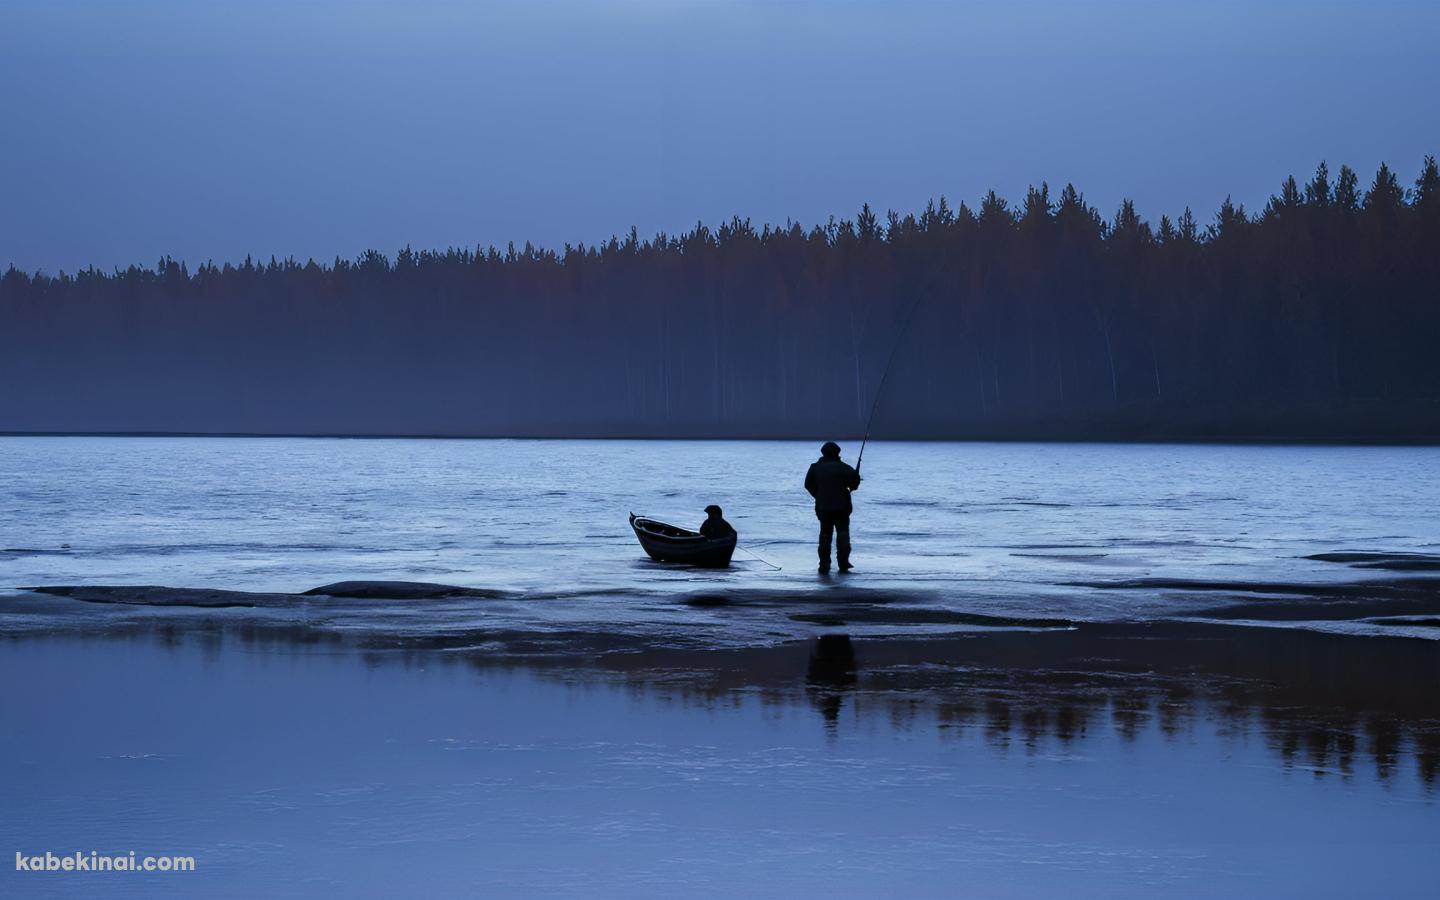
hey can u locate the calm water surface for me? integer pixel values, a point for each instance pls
(996, 529)
(309, 774)
(320, 746)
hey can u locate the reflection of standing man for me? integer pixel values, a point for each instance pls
(830, 481)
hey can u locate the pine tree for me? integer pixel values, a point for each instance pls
(1385, 194)
(1317, 192)
(1347, 196)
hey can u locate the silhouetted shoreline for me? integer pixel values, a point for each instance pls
(1309, 321)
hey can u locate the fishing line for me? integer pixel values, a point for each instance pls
(894, 348)
(759, 557)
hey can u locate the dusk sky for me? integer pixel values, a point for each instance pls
(209, 130)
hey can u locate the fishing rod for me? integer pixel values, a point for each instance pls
(894, 348)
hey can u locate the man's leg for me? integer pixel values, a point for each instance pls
(827, 528)
(842, 540)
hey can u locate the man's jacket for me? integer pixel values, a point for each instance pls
(830, 481)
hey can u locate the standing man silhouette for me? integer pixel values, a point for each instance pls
(830, 481)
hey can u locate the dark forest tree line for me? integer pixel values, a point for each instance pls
(1315, 318)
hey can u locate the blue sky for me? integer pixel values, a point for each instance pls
(209, 130)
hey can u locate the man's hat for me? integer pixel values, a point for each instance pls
(712, 508)
(830, 449)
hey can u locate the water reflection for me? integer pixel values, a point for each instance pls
(1325, 704)
(830, 675)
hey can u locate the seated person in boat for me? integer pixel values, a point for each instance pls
(715, 526)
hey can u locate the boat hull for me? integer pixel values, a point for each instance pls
(670, 544)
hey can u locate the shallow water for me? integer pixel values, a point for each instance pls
(609, 726)
(287, 771)
(990, 529)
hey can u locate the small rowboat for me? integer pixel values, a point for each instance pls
(668, 543)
